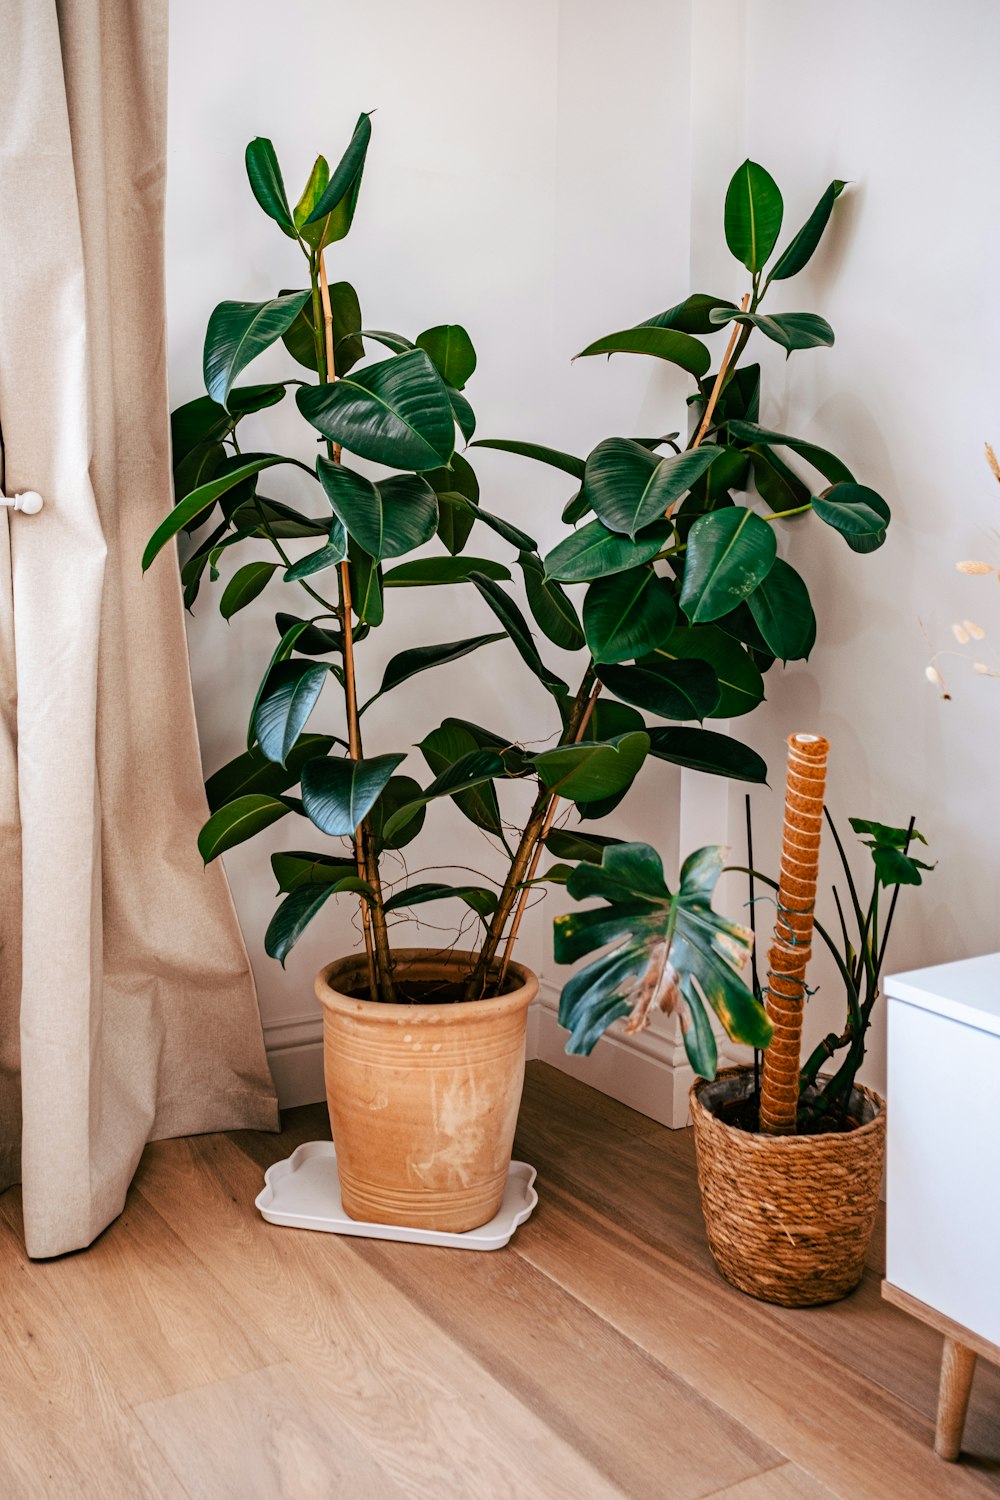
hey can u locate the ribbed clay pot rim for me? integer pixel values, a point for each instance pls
(521, 987)
(749, 1141)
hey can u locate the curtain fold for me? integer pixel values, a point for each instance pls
(127, 1006)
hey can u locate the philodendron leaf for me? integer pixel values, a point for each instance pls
(568, 463)
(753, 215)
(594, 552)
(889, 849)
(704, 750)
(396, 412)
(516, 628)
(284, 706)
(481, 900)
(673, 953)
(729, 553)
(664, 343)
(239, 820)
(790, 330)
(799, 252)
(253, 772)
(298, 909)
(590, 770)
(267, 184)
(740, 685)
(450, 347)
(673, 689)
(387, 519)
(238, 332)
(338, 794)
(783, 612)
(244, 586)
(628, 614)
(690, 316)
(468, 771)
(858, 513)
(630, 488)
(419, 658)
(203, 499)
(334, 209)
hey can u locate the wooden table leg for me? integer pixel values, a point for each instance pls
(957, 1367)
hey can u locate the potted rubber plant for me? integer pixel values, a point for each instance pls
(424, 1048)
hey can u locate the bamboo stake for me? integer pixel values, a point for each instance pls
(717, 387)
(791, 945)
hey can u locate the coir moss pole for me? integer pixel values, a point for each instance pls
(791, 945)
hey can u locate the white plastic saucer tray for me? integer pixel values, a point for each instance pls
(303, 1192)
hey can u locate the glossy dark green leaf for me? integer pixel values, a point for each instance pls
(427, 571)
(566, 462)
(569, 843)
(858, 513)
(468, 771)
(450, 348)
(729, 553)
(300, 907)
(673, 689)
(576, 508)
(627, 614)
(457, 489)
(367, 598)
(442, 747)
(408, 663)
(740, 684)
(261, 517)
(609, 717)
(753, 215)
(512, 534)
(396, 412)
(799, 252)
(201, 500)
(387, 519)
(197, 467)
(266, 182)
(630, 488)
(316, 640)
(282, 652)
(330, 556)
(339, 198)
(288, 699)
(244, 586)
(298, 868)
(238, 332)
(691, 315)
(338, 794)
(783, 612)
(551, 607)
(397, 342)
(300, 338)
(776, 483)
(594, 552)
(237, 821)
(664, 343)
(790, 330)
(478, 897)
(590, 770)
(253, 772)
(316, 182)
(827, 463)
(705, 750)
(516, 627)
(399, 791)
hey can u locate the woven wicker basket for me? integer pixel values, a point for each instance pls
(789, 1217)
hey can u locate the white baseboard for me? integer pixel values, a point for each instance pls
(649, 1071)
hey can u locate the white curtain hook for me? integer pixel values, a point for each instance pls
(28, 501)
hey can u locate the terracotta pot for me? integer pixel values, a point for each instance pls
(789, 1217)
(423, 1098)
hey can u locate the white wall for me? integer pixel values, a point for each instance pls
(545, 172)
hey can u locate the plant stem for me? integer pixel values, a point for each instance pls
(738, 337)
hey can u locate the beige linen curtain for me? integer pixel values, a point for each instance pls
(127, 1007)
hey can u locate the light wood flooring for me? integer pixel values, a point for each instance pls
(197, 1353)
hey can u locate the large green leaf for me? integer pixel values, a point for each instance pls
(627, 614)
(330, 556)
(481, 900)
(367, 597)
(457, 489)
(552, 609)
(783, 612)
(776, 483)
(266, 182)
(690, 316)
(674, 689)
(515, 625)
(571, 843)
(442, 747)
(315, 186)
(271, 518)
(426, 572)
(399, 791)
(828, 464)
(510, 533)
(238, 332)
(704, 750)
(630, 488)
(338, 794)
(753, 215)
(244, 586)
(674, 953)
(470, 770)
(419, 658)
(282, 652)
(316, 640)
(387, 519)
(591, 770)
(568, 463)
(790, 330)
(335, 207)
(236, 821)
(288, 699)
(798, 253)
(396, 412)
(858, 513)
(740, 684)
(594, 552)
(300, 338)
(253, 772)
(729, 553)
(296, 868)
(298, 909)
(664, 343)
(450, 348)
(202, 499)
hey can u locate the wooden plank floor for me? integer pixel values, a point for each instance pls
(197, 1353)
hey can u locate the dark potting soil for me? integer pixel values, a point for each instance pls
(744, 1114)
(422, 992)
